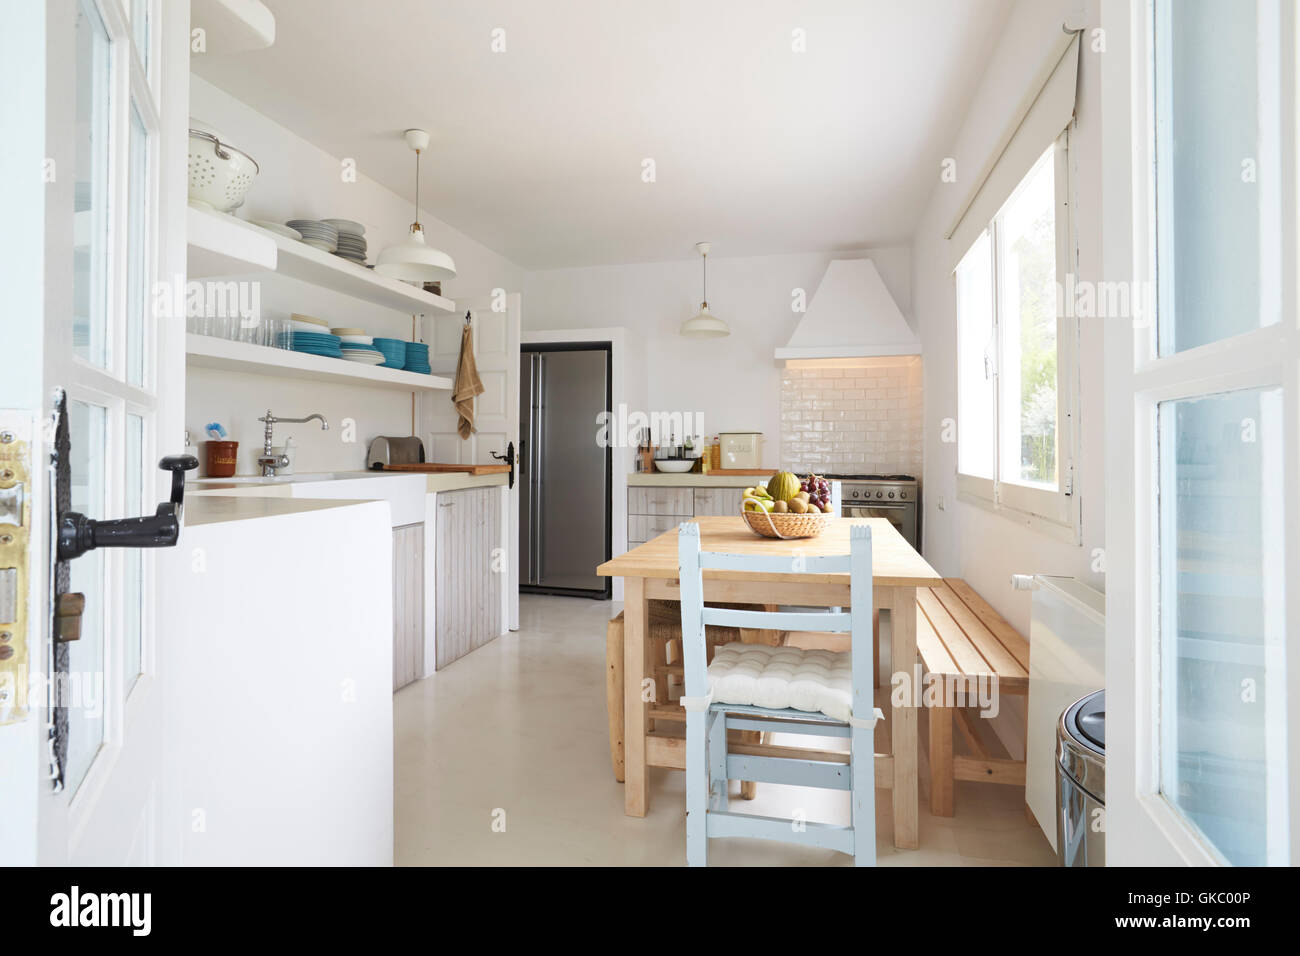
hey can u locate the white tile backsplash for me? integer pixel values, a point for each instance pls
(864, 418)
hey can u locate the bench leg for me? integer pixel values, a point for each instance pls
(614, 693)
(875, 647)
(941, 761)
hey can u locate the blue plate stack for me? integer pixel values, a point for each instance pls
(317, 343)
(417, 358)
(394, 352)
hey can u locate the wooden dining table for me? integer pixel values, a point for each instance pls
(649, 572)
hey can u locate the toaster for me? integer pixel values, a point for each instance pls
(391, 450)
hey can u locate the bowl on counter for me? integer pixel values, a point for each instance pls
(674, 466)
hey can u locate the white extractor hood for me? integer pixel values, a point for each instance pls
(852, 315)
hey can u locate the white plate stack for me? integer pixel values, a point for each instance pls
(351, 241)
(319, 235)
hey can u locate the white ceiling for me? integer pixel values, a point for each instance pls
(537, 152)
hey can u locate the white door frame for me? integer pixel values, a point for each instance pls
(1142, 827)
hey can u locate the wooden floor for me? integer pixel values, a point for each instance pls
(502, 759)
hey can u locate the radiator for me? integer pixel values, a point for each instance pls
(1067, 659)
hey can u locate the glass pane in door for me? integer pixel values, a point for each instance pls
(1026, 233)
(137, 251)
(90, 189)
(1219, 173)
(133, 558)
(1222, 668)
(83, 692)
(975, 442)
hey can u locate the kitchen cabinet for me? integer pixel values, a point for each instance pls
(653, 509)
(717, 502)
(469, 571)
(408, 604)
(660, 501)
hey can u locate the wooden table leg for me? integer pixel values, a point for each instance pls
(636, 628)
(903, 656)
(614, 693)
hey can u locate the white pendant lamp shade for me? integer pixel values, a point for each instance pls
(411, 260)
(704, 324)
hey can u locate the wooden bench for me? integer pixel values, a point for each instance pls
(968, 646)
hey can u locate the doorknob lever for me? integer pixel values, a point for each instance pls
(79, 534)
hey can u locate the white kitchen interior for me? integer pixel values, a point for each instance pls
(718, 433)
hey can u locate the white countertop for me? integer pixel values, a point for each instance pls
(280, 487)
(214, 509)
(659, 479)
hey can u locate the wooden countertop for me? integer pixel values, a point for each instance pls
(894, 562)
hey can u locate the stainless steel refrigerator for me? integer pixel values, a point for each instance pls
(564, 471)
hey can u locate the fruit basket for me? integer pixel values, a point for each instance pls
(772, 524)
(785, 507)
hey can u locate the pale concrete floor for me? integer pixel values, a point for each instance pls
(503, 759)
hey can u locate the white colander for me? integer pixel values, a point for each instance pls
(219, 174)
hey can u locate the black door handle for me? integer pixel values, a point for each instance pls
(509, 459)
(79, 534)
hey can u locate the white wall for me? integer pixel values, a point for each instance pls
(299, 181)
(734, 382)
(965, 540)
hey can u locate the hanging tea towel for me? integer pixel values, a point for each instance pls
(468, 384)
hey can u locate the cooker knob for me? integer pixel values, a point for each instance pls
(903, 495)
(891, 494)
(880, 494)
(855, 494)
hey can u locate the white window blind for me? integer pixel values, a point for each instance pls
(1046, 109)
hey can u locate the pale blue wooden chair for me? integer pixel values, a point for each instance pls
(708, 764)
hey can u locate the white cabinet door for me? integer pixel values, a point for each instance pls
(660, 501)
(468, 572)
(717, 501)
(408, 604)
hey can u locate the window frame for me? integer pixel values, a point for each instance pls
(1056, 511)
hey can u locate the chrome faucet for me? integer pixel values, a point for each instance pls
(270, 462)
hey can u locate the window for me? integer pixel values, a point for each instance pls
(1015, 390)
(1221, 430)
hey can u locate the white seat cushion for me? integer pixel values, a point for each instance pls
(778, 678)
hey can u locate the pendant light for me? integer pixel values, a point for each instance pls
(704, 324)
(411, 260)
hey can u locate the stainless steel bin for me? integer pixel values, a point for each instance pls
(1081, 782)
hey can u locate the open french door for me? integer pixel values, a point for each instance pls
(495, 320)
(92, 397)
(1199, 109)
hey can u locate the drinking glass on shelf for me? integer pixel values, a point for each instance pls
(218, 326)
(281, 333)
(247, 329)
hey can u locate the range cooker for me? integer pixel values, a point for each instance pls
(896, 498)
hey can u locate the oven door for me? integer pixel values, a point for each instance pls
(901, 515)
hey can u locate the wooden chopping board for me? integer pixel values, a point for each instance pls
(434, 468)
